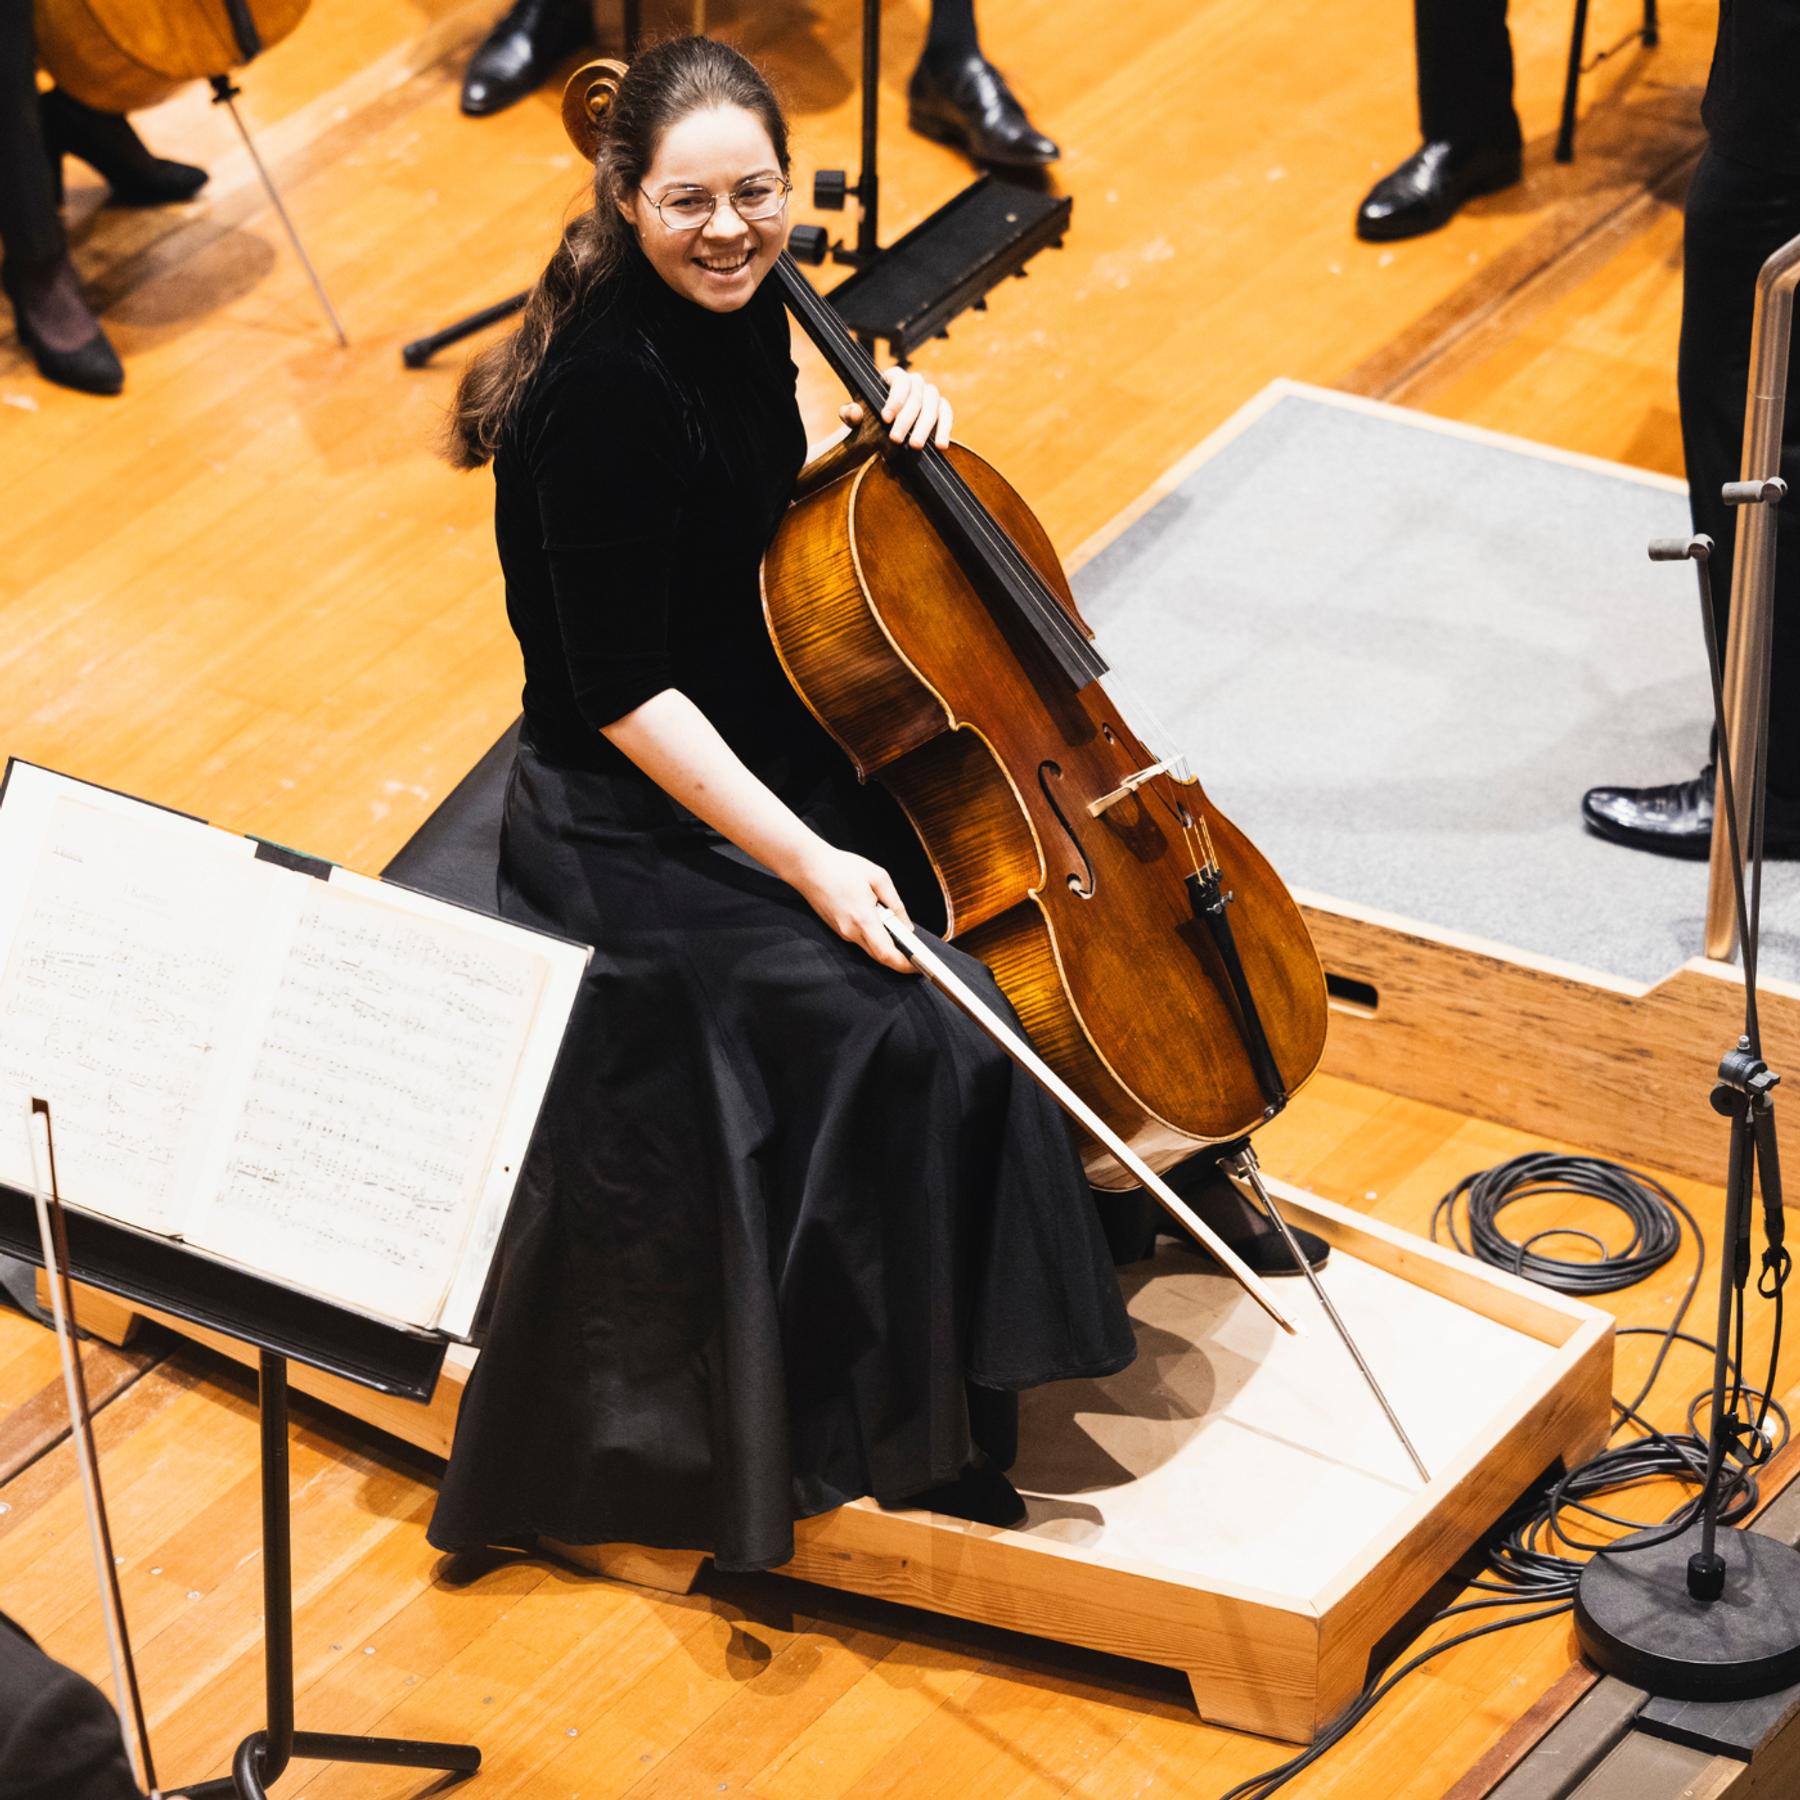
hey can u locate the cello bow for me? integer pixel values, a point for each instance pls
(54, 1238)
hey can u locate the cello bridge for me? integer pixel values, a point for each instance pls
(1175, 766)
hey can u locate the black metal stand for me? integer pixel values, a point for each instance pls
(1648, 34)
(947, 263)
(264, 1755)
(421, 350)
(1697, 1615)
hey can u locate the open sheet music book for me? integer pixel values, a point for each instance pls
(331, 1082)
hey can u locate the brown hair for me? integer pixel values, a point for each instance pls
(664, 85)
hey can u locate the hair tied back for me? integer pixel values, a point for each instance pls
(587, 99)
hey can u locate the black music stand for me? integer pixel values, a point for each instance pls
(283, 1324)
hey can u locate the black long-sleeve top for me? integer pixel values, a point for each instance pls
(636, 489)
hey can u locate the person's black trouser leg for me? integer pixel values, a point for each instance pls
(30, 227)
(1465, 72)
(1737, 216)
(950, 33)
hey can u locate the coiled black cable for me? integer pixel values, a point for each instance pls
(1647, 1204)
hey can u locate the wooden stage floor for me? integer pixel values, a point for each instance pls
(248, 590)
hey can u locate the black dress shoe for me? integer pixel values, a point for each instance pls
(530, 40)
(108, 145)
(1426, 189)
(91, 367)
(968, 105)
(1677, 820)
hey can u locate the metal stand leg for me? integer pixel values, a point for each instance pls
(264, 1755)
(421, 350)
(1565, 132)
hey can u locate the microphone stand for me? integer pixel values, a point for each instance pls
(1681, 1609)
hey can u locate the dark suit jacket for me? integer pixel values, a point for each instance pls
(59, 1736)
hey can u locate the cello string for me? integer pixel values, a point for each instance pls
(950, 487)
(997, 544)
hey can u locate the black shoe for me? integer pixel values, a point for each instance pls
(1222, 1204)
(108, 145)
(1677, 820)
(529, 42)
(969, 106)
(1426, 189)
(1131, 1230)
(91, 367)
(980, 1493)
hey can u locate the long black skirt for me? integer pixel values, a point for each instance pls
(782, 1207)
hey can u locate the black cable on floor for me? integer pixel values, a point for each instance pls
(1528, 1569)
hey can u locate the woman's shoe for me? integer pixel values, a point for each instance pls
(107, 143)
(90, 364)
(980, 1494)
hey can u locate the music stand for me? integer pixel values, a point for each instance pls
(283, 1324)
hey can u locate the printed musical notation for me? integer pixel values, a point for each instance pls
(367, 1123)
(117, 996)
(330, 1082)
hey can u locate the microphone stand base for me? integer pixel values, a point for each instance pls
(1636, 1618)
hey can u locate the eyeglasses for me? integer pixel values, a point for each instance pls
(687, 209)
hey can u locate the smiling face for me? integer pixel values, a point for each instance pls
(715, 151)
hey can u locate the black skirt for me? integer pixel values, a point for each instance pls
(782, 1205)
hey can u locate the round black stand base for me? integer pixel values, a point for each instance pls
(1636, 1619)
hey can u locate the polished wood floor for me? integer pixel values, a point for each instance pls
(248, 590)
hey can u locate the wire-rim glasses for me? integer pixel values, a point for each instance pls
(687, 209)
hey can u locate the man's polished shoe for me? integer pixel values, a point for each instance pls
(1426, 189)
(1677, 820)
(524, 48)
(968, 105)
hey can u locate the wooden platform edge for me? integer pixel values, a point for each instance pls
(1571, 1054)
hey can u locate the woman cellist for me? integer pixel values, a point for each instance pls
(793, 1231)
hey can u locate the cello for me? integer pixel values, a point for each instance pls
(121, 55)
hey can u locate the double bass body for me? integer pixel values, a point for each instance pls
(1085, 919)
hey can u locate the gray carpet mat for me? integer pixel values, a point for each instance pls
(1398, 654)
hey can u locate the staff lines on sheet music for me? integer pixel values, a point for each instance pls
(367, 1119)
(114, 998)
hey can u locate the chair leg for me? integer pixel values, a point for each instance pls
(1652, 37)
(1565, 134)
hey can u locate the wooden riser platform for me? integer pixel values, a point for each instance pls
(1569, 1053)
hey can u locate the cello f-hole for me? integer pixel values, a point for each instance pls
(1081, 885)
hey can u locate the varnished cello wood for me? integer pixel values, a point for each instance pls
(894, 649)
(120, 55)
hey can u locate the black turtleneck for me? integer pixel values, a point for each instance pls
(637, 488)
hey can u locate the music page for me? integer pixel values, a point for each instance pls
(122, 1000)
(363, 1127)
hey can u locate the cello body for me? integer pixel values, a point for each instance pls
(1086, 920)
(121, 55)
